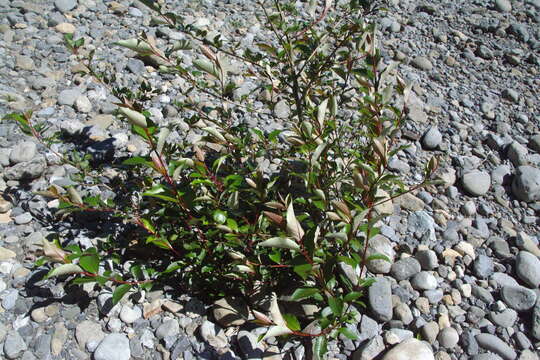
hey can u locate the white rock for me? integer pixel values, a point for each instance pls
(411, 349)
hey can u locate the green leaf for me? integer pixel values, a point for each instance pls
(280, 242)
(275, 256)
(303, 293)
(320, 347)
(64, 269)
(336, 305)
(292, 322)
(137, 160)
(352, 296)
(378, 257)
(89, 262)
(119, 293)
(348, 333)
(83, 280)
(303, 270)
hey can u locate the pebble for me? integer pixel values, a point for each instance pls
(422, 63)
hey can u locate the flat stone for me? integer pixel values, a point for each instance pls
(380, 299)
(5, 206)
(524, 242)
(427, 258)
(496, 345)
(68, 96)
(518, 298)
(476, 182)
(113, 347)
(82, 104)
(370, 349)
(169, 327)
(483, 267)
(405, 268)
(424, 281)
(24, 63)
(422, 63)
(65, 28)
(430, 331)
(59, 338)
(503, 5)
(535, 330)
(22, 152)
(88, 331)
(14, 345)
(230, 311)
(505, 318)
(6, 254)
(411, 349)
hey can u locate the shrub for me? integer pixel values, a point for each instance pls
(244, 211)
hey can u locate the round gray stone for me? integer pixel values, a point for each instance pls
(448, 337)
(528, 268)
(65, 5)
(432, 138)
(476, 182)
(503, 5)
(526, 184)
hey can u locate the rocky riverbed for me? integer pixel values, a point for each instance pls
(465, 272)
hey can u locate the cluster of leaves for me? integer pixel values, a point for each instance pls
(216, 218)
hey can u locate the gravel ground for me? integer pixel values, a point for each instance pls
(466, 270)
